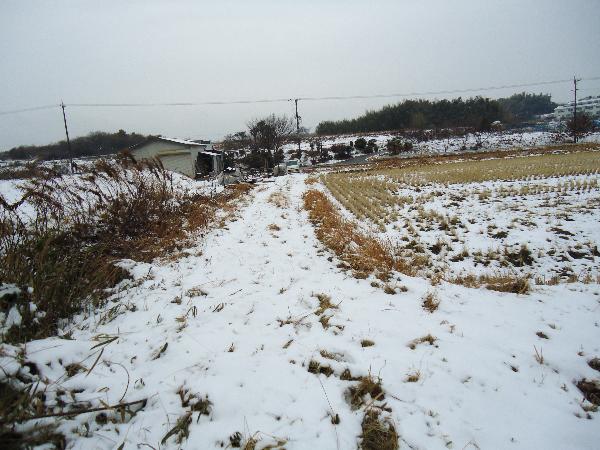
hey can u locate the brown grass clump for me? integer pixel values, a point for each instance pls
(428, 338)
(513, 283)
(316, 368)
(324, 320)
(413, 377)
(389, 290)
(324, 304)
(331, 355)
(311, 180)
(367, 343)
(194, 402)
(357, 395)
(594, 363)
(361, 253)
(590, 390)
(378, 433)
(274, 227)
(430, 302)
(346, 375)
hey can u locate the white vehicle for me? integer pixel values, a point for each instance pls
(293, 166)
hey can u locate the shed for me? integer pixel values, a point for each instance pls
(191, 158)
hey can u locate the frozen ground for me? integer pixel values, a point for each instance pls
(237, 321)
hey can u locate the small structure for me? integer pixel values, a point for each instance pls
(191, 158)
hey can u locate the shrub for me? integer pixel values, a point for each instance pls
(371, 146)
(360, 144)
(64, 258)
(396, 146)
(341, 151)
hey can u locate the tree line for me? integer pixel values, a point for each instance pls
(476, 112)
(94, 144)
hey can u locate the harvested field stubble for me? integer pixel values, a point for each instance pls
(362, 253)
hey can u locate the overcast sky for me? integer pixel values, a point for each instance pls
(123, 51)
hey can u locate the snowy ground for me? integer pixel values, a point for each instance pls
(473, 141)
(488, 140)
(236, 320)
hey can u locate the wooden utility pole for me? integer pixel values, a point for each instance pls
(297, 125)
(575, 80)
(62, 105)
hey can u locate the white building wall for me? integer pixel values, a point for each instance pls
(179, 161)
(589, 106)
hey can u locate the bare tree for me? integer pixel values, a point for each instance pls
(270, 132)
(581, 125)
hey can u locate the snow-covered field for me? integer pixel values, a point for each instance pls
(238, 321)
(473, 141)
(540, 222)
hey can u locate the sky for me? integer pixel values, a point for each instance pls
(150, 51)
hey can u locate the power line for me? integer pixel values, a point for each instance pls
(33, 108)
(455, 91)
(282, 100)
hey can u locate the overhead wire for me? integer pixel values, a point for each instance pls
(281, 100)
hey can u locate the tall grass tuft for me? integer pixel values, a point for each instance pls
(62, 255)
(364, 254)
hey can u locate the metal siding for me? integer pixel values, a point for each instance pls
(178, 163)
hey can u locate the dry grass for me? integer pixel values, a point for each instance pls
(508, 282)
(81, 226)
(569, 151)
(367, 391)
(507, 168)
(316, 368)
(590, 390)
(431, 302)
(428, 338)
(413, 377)
(363, 254)
(381, 192)
(367, 343)
(331, 355)
(378, 433)
(324, 303)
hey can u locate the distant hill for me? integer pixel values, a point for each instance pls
(476, 112)
(96, 143)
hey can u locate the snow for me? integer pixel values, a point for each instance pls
(229, 309)
(485, 141)
(181, 141)
(551, 223)
(14, 189)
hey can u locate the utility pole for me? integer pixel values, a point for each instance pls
(62, 105)
(575, 80)
(297, 125)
